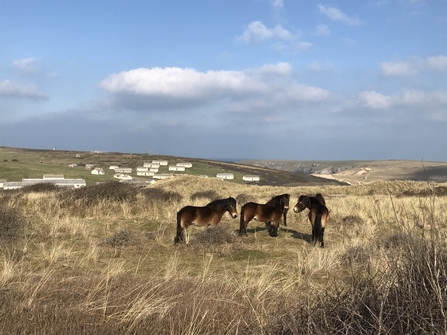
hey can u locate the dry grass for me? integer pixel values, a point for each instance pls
(106, 262)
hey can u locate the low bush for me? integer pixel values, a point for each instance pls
(93, 195)
(12, 223)
(161, 195)
(209, 194)
(244, 198)
(41, 188)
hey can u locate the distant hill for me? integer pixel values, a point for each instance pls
(356, 172)
(19, 163)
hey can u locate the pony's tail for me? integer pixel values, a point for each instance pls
(317, 230)
(180, 237)
(242, 229)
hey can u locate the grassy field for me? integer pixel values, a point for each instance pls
(17, 163)
(101, 260)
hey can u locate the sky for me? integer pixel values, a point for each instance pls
(226, 79)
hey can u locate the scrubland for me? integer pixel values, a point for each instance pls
(101, 260)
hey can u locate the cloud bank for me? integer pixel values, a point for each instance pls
(180, 88)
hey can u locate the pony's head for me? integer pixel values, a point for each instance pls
(303, 202)
(232, 207)
(285, 199)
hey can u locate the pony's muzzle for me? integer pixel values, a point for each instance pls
(234, 216)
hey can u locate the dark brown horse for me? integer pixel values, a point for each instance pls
(270, 213)
(210, 215)
(318, 215)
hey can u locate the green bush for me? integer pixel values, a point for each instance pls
(12, 223)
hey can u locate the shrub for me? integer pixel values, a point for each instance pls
(92, 195)
(244, 198)
(40, 187)
(124, 238)
(159, 194)
(213, 235)
(210, 194)
(12, 223)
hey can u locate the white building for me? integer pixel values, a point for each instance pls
(122, 176)
(185, 164)
(160, 162)
(123, 170)
(176, 168)
(113, 167)
(251, 178)
(145, 173)
(70, 183)
(53, 176)
(12, 185)
(225, 175)
(98, 171)
(151, 165)
(142, 169)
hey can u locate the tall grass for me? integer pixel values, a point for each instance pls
(95, 262)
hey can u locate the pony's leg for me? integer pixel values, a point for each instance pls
(181, 226)
(322, 237)
(243, 224)
(315, 234)
(180, 237)
(272, 228)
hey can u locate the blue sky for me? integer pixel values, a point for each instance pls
(261, 79)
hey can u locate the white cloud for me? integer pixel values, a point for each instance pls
(414, 66)
(322, 30)
(178, 88)
(283, 69)
(277, 3)
(315, 66)
(26, 66)
(176, 82)
(336, 14)
(374, 99)
(397, 69)
(408, 97)
(257, 32)
(10, 89)
(437, 63)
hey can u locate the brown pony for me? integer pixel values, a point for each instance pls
(210, 215)
(270, 213)
(318, 215)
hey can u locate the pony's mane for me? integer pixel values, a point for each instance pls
(219, 204)
(278, 200)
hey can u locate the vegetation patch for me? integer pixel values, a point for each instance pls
(156, 194)
(213, 236)
(39, 188)
(124, 238)
(428, 192)
(12, 223)
(250, 255)
(208, 194)
(93, 195)
(244, 198)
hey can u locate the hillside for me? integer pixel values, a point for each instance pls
(358, 172)
(18, 163)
